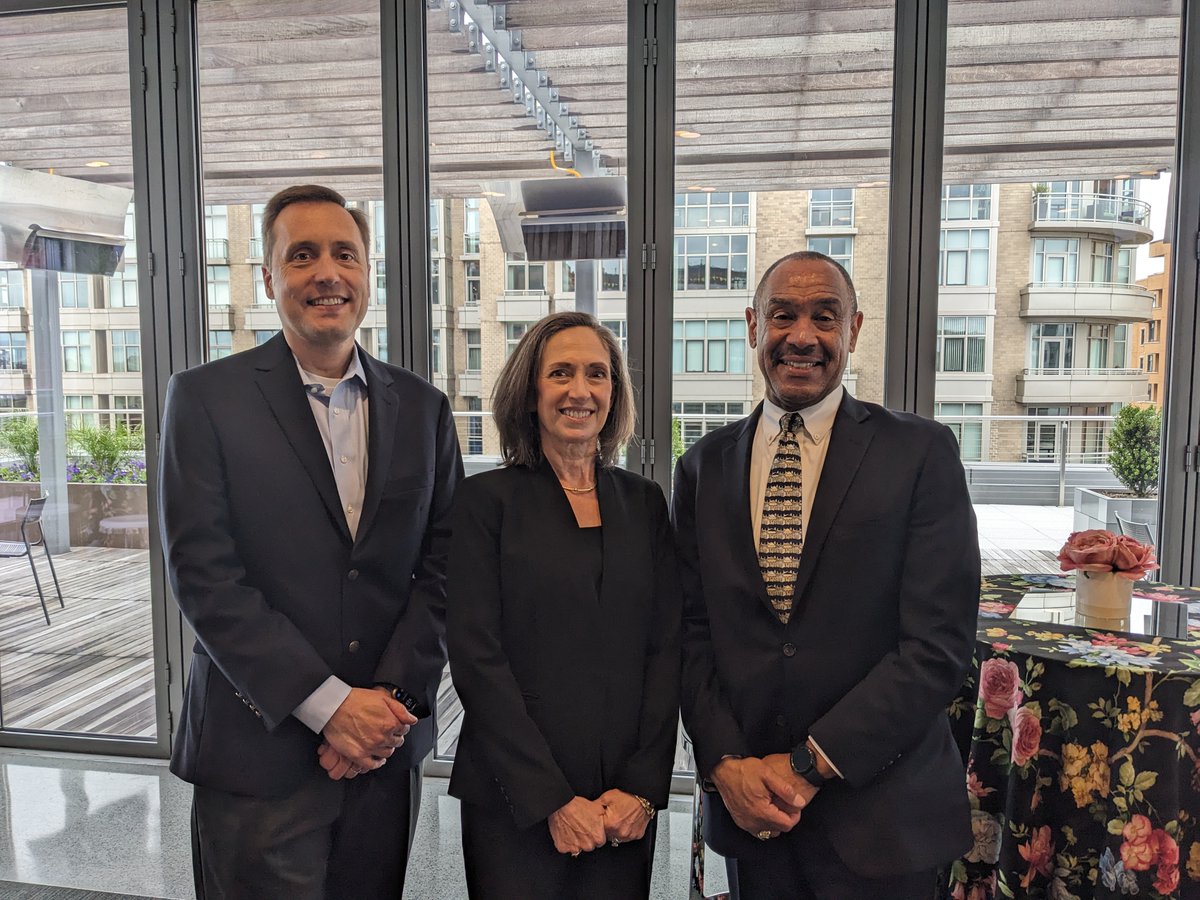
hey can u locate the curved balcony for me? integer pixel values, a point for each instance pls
(522, 306)
(1064, 387)
(1087, 300)
(1124, 219)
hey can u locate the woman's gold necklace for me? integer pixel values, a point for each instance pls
(583, 490)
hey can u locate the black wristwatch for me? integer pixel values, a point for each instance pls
(407, 700)
(804, 764)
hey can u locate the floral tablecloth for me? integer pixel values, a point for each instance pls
(1083, 756)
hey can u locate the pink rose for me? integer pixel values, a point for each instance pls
(1026, 734)
(1089, 551)
(1167, 880)
(999, 686)
(1132, 560)
(1039, 853)
(1139, 850)
(1166, 850)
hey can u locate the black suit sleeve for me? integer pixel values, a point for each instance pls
(513, 747)
(416, 653)
(648, 772)
(233, 622)
(707, 714)
(890, 710)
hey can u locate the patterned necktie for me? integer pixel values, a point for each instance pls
(780, 537)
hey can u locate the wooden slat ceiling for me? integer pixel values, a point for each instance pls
(781, 95)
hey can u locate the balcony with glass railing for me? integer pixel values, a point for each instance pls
(1063, 386)
(522, 306)
(1124, 219)
(254, 250)
(217, 249)
(1111, 301)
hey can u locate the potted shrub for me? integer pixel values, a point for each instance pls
(1134, 448)
(106, 478)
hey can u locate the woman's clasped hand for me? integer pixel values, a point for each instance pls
(582, 825)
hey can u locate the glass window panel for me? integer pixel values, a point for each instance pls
(67, 124)
(1045, 205)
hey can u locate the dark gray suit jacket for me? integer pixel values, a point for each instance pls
(264, 569)
(879, 641)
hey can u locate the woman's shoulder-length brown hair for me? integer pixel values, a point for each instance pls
(514, 400)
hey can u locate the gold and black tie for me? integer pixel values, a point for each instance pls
(780, 534)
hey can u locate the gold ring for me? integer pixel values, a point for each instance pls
(764, 835)
(574, 854)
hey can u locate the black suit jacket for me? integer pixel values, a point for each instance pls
(264, 569)
(562, 696)
(879, 640)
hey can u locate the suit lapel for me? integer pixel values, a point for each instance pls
(281, 387)
(848, 442)
(383, 409)
(735, 464)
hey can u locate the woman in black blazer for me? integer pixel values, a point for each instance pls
(563, 623)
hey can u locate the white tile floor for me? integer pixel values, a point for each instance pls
(1023, 527)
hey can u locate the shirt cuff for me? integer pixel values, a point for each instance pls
(832, 764)
(318, 707)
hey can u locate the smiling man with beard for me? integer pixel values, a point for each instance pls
(830, 567)
(304, 493)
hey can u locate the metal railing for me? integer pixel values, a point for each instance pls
(1121, 372)
(1100, 208)
(216, 248)
(1083, 285)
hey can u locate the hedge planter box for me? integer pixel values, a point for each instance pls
(101, 515)
(1094, 509)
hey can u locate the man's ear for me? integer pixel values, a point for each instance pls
(267, 285)
(752, 327)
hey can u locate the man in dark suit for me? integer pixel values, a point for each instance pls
(304, 497)
(830, 569)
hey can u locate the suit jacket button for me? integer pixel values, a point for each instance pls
(352, 574)
(789, 649)
(353, 648)
(781, 721)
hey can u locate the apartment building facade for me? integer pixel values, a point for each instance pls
(1039, 311)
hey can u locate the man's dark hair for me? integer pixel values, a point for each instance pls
(805, 256)
(308, 193)
(514, 400)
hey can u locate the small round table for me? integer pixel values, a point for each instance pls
(124, 526)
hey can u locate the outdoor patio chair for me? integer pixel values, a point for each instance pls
(1139, 531)
(24, 547)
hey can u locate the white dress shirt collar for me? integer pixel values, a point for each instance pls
(818, 418)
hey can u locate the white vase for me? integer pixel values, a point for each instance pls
(1103, 600)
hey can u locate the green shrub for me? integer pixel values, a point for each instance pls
(107, 449)
(20, 435)
(1133, 448)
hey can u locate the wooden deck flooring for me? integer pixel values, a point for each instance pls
(91, 670)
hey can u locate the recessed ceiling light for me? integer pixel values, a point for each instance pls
(318, 154)
(700, 187)
(684, 133)
(97, 164)
(492, 194)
